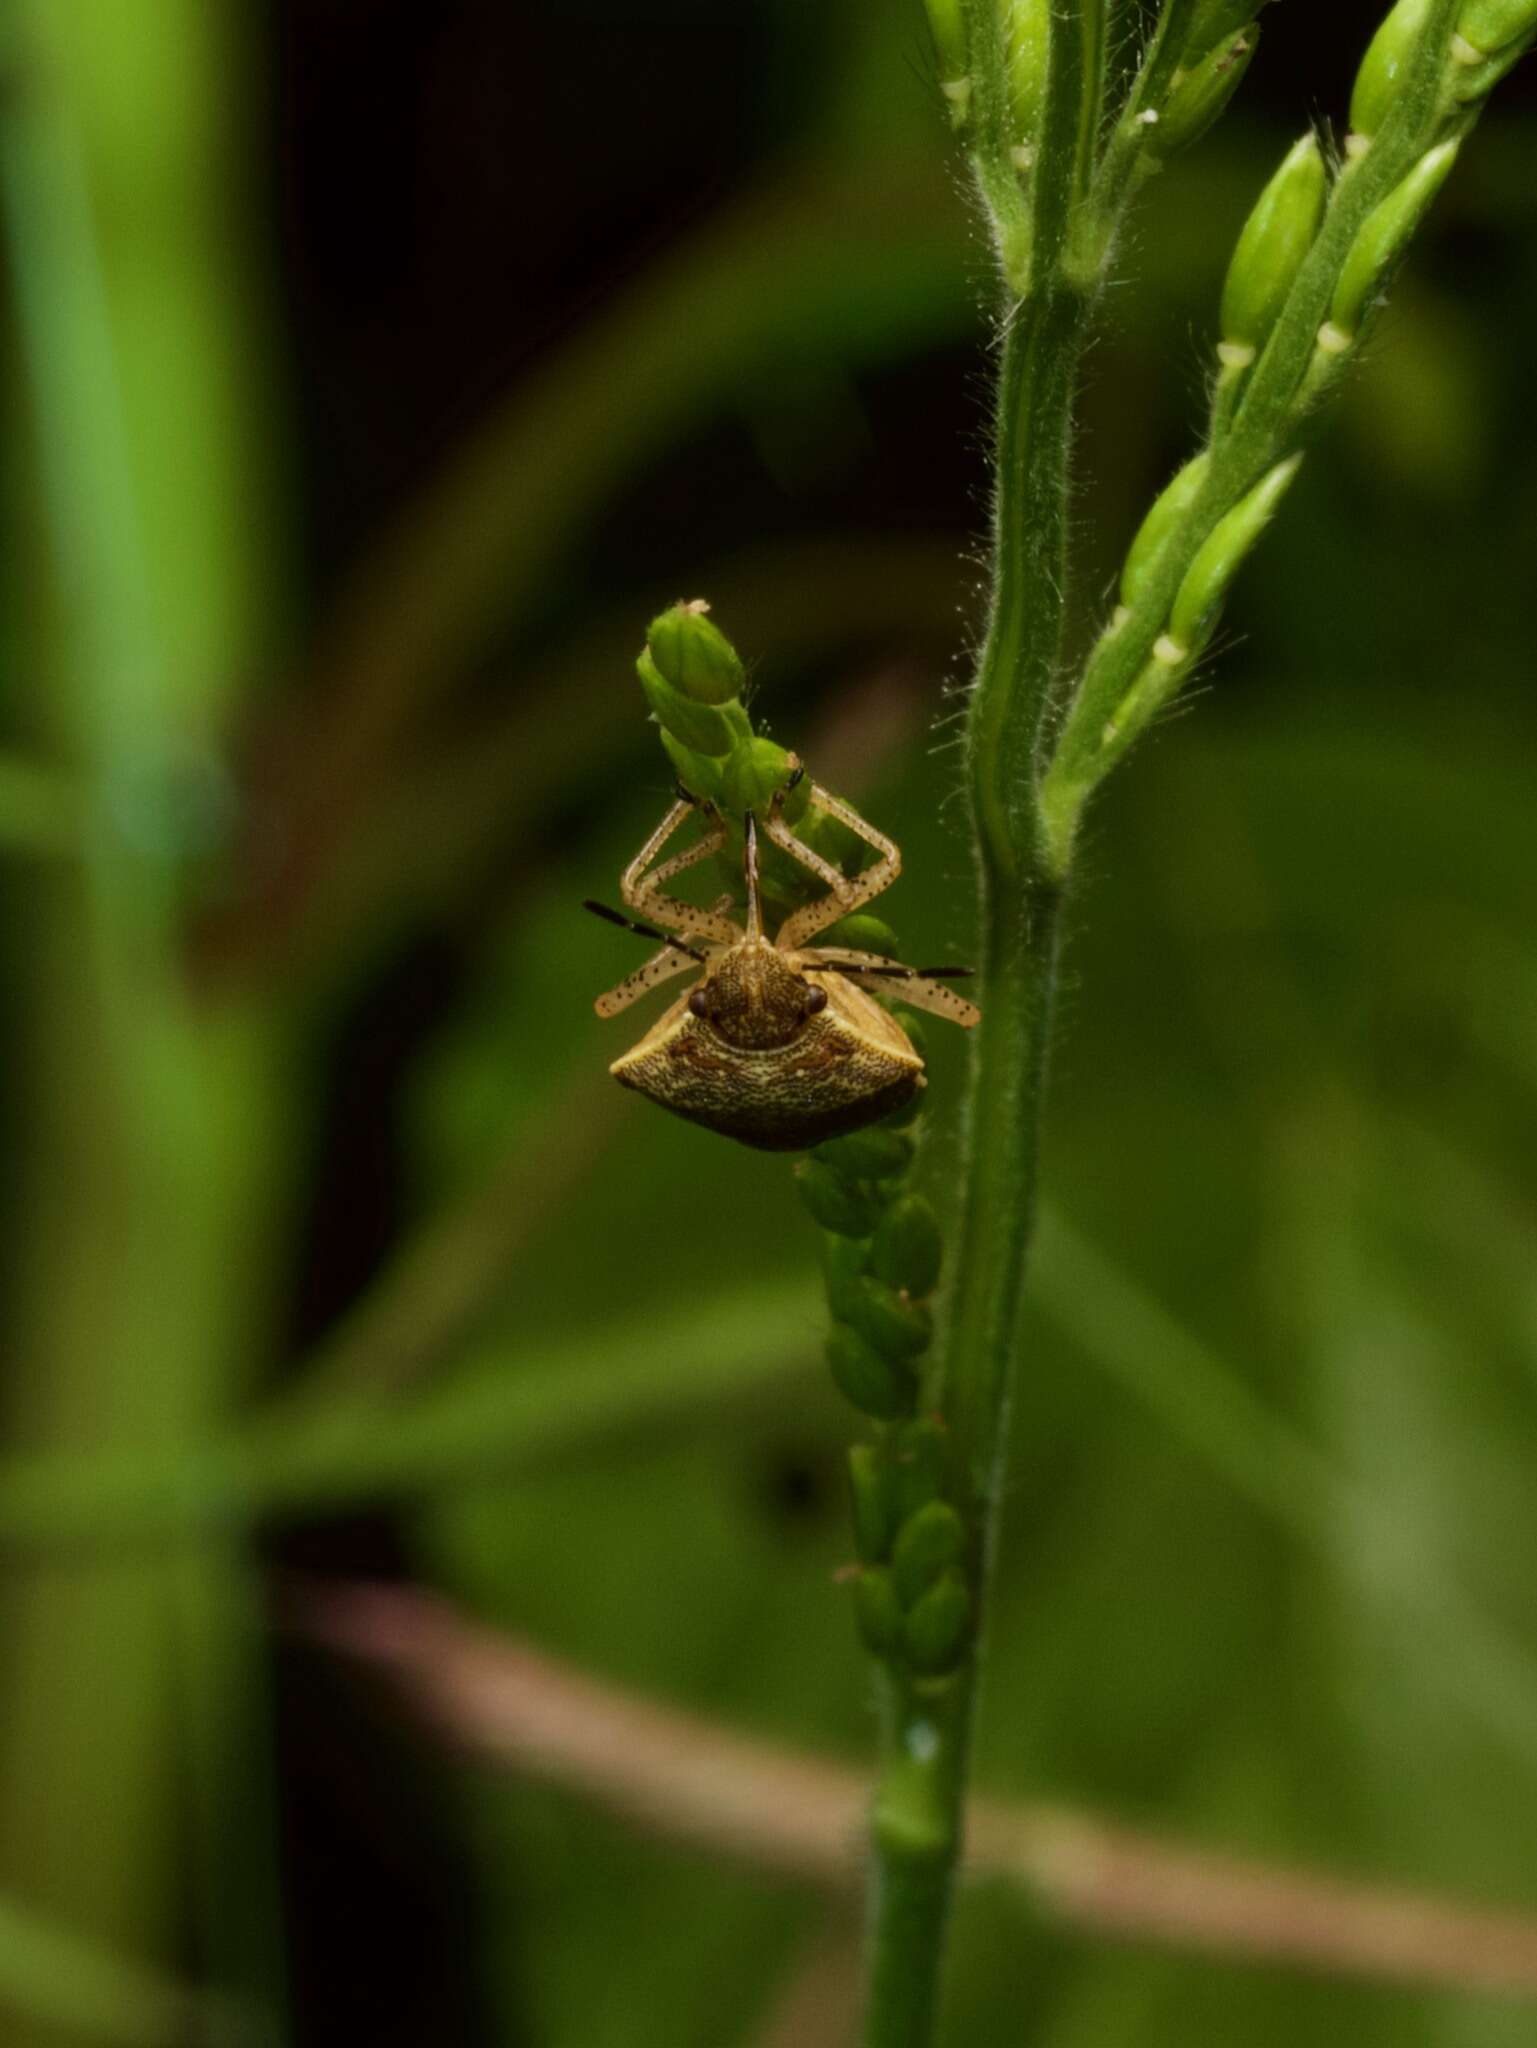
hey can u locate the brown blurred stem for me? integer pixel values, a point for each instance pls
(689, 1781)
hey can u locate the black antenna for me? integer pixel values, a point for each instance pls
(910, 973)
(642, 931)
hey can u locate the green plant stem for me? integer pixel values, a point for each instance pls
(1018, 664)
(920, 1799)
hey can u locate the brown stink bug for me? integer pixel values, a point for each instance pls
(776, 1044)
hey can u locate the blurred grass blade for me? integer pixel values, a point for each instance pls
(1162, 1364)
(39, 811)
(143, 1140)
(499, 1412)
(53, 1976)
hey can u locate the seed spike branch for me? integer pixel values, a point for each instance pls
(1303, 286)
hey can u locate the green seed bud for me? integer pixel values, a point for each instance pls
(1151, 690)
(1216, 20)
(896, 1327)
(838, 1205)
(878, 1612)
(905, 1115)
(1028, 29)
(873, 1382)
(1216, 564)
(1200, 94)
(947, 24)
(913, 1025)
(1383, 237)
(918, 1468)
(1168, 509)
(927, 1544)
(934, 1635)
(701, 727)
(863, 934)
(693, 654)
(874, 1502)
(867, 1155)
(844, 1260)
(1389, 50)
(755, 770)
(1475, 76)
(907, 1248)
(796, 802)
(699, 775)
(1275, 238)
(1494, 25)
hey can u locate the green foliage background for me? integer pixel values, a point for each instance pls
(1267, 1580)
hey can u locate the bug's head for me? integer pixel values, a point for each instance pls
(752, 999)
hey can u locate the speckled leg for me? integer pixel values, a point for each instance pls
(908, 984)
(642, 891)
(845, 893)
(660, 967)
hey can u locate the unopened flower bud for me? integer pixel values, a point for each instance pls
(1200, 94)
(838, 1205)
(755, 769)
(1275, 238)
(936, 1630)
(1491, 26)
(863, 933)
(844, 1260)
(874, 1502)
(1383, 237)
(1387, 53)
(947, 25)
(1028, 28)
(703, 728)
(907, 1247)
(1214, 21)
(874, 1383)
(928, 1543)
(896, 1327)
(1164, 516)
(694, 655)
(697, 773)
(870, 1154)
(878, 1612)
(1217, 561)
(919, 1465)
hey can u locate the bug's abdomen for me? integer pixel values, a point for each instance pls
(829, 1082)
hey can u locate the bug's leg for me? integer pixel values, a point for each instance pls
(844, 893)
(660, 967)
(909, 984)
(642, 890)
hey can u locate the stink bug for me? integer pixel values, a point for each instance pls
(778, 1043)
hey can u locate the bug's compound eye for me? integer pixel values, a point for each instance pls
(816, 999)
(699, 1003)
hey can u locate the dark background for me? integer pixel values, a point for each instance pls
(1297, 1085)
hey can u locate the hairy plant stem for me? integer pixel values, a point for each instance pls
(926, 1731)
(918, 1821)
